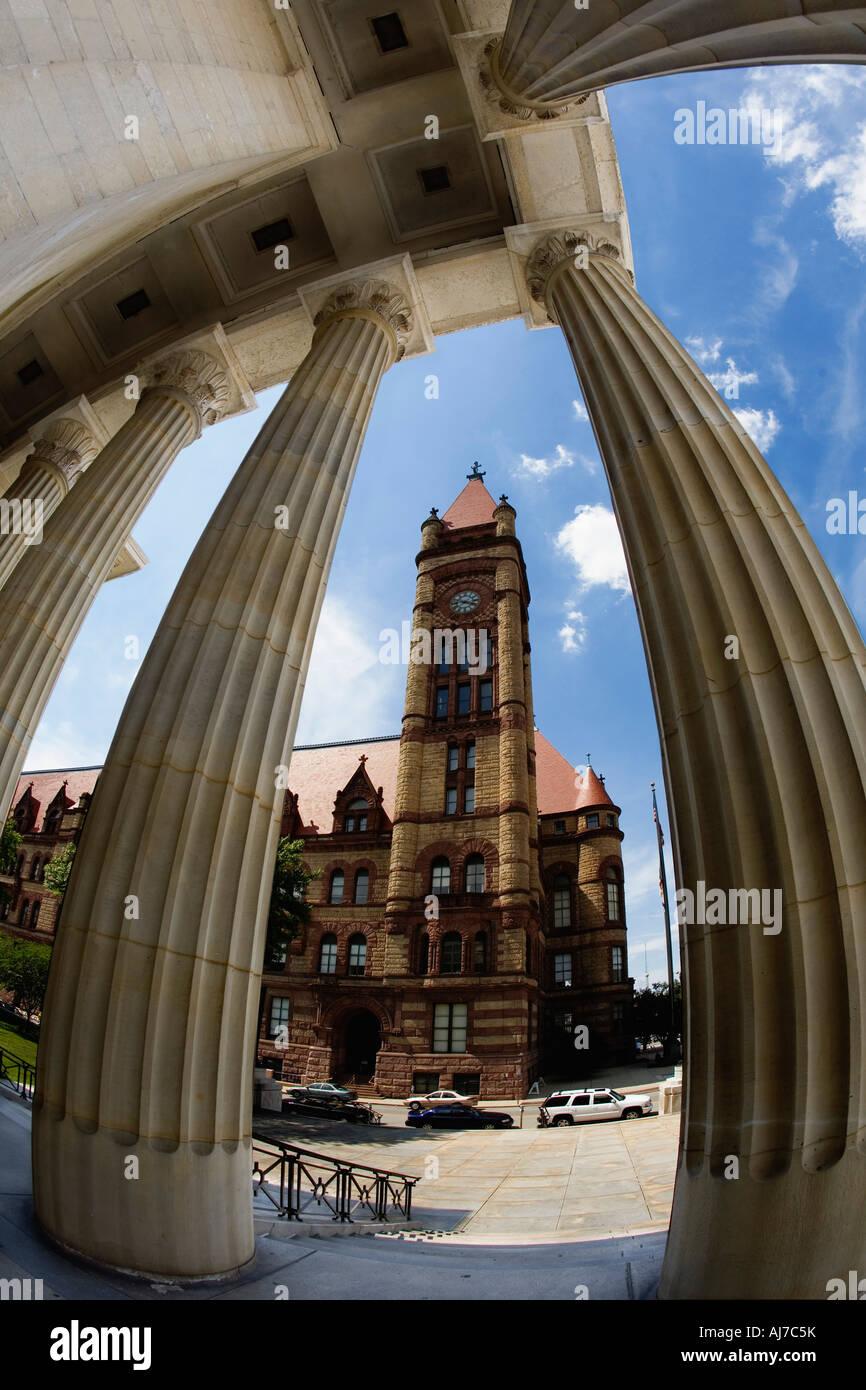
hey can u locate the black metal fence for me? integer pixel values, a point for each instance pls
(20, 1074)
(299, 1183)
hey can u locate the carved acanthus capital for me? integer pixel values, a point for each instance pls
(366, 298)
(199, 376)
(67, 446)
(560, 247)
(497, 91)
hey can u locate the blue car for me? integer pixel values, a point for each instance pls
(458, 1117)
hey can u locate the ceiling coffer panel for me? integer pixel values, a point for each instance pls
(430, 184)
(375, 45)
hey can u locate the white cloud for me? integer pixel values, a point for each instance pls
(592, 541)
(702, 351)
(62, 745)
(822, 115)
(731, 379)
(542, 468)
(580, 410)
(349, 693)
(573, 633)
(762, 425)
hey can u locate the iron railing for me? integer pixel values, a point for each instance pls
(299, 1183)
(20, 1074)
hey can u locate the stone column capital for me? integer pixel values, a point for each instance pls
(66, 448)
(512, 103)
(198, 377)
(561, 248)
(377, 300)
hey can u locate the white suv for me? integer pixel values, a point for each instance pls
(580, 1107)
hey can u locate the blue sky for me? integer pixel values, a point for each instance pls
(754, 257)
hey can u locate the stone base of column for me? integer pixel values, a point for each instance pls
(706, 1255)
(205, 1233)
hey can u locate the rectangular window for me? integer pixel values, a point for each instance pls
(562, 970)
(441, 701)
(611, 820)
(468, 1083)
(470, 754)
(618, 1018)
(449, 1027)
(592, 821)
(453, 756)
(463, 699)
(617, 963)
(485, 696)
(469, 800)
(450, 801)
(614, 900)
(562, 1021)
(279, 1019)
(559, 827)
(423, 1082)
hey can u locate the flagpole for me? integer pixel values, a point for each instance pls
(663, 886)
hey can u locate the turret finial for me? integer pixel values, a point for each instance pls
(476, 472)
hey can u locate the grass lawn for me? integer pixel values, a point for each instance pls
(22, 1047)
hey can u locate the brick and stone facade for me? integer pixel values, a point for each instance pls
(489, 922)
(49, 810)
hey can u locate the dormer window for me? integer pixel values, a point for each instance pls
(356, 818)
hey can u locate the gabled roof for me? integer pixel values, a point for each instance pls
(46, 785)
(474, 507)
(318, 774)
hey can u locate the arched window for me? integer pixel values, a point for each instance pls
(357, 954)
(4, 909)
(475, 874)
(25, 908)
(42, 867)
(424, 955)
(328, 955)
(451, 962)
(356, 818)
(34, 913)
(338, 878)
(614, 896)
(562, 901)
(34, 870)
(19, 867)
(440, 879)
(52, 820)
(528, 954)
(362, 885)
(479, 953)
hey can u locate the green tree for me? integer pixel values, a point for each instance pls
(24, 972)
(58, 869)
(10, 844)
(289, 909)
(652, 1012)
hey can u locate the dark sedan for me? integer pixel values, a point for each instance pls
(458, 1117)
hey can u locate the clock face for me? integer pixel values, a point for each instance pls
(465, 602)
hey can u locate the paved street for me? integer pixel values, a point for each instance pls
(614, 1177)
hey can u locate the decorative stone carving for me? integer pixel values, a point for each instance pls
(67, 446)
(510, 102)
(371, 297)
(559, 247)
(199, 376)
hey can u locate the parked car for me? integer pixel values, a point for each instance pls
(439, 1098)
(458, 1117)
(581, 1107)
(322, 1090)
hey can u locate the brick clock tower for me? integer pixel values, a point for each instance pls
(464, 849)
(469, 918)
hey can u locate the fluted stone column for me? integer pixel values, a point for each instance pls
(150, 1019)
(553, 53)
(49, 593)
(63, 452)
(764, 752)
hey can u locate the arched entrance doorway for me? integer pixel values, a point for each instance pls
(359, 1040)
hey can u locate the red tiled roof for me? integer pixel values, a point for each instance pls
(316, 775)
(591, 792)
(474, 507)
(46, 785)
(555, 777)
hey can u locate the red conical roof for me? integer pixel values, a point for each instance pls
(591, 792)
(474, 507)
